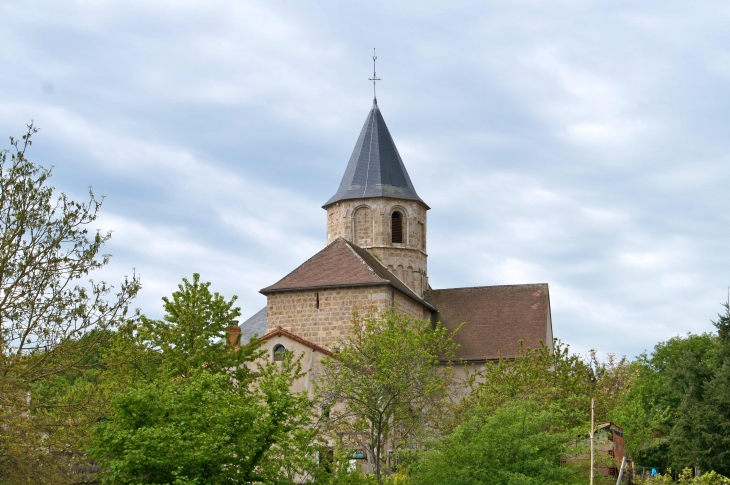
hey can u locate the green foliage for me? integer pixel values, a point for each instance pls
(650, 411)
(193, 332)
(45, 250)
(339, 469)
(188, 407)
(387, 381)
(520, 416)
(701, 433)
(678, 411)
(522, 442)
(686, 478)
(552, 376)
(201, 429)
(52, 318)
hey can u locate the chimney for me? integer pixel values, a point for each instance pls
(234, 335)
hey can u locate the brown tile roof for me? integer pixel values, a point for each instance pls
(285, 333)
(497, 318)
(341, 264)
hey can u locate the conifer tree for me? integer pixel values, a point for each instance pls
(701, 435)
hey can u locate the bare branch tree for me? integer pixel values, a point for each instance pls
(48, 307)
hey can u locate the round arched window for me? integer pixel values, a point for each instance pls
(279, 353)
(396, 228)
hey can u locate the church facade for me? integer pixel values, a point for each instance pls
(376, 257)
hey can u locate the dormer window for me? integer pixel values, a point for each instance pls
(396, 228)
(279, 351)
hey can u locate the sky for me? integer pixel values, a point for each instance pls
(583, 144)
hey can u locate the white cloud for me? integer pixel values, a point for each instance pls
(580, 144)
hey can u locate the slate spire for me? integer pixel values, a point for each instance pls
(375, 168)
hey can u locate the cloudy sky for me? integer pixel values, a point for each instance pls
(579, 143)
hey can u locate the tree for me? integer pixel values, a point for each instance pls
(207, 410)
(193, 332)
(386, 382)
(47, 250)
(550, 385)
(665, 408)
(664, 379)
(551, 376)
(701, 434)
(201, 429)
(677, 413)
(521, 442)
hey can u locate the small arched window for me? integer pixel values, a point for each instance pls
(396, 228)
(279, 351)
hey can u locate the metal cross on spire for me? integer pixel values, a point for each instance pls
(375, 77)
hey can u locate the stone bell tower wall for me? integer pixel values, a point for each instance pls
(367, 223)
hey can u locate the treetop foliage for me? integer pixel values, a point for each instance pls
(194, 331)
(46, 248)
(520, 442)
(677, 413)
(551, 376)
(201, 410)
(51, 316)
(387, 381)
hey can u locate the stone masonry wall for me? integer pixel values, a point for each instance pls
(297, 311)
(407, 264)
(366, 222)
(363, 234)
(405, 305)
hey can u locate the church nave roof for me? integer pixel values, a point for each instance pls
(497, 319)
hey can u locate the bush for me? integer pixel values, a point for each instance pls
(686, 478)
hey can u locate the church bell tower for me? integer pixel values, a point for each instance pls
(377, 208)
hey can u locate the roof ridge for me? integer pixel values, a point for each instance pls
(405, 289)
(305, 262)
(489, 286)
(349, 246)
(385, 268)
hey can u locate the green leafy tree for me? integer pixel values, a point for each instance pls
(551, 376)
(201, 429)
(665, 408)
(522, 442)
(203, 409)
(386, 383)
(701, 433)
(48, 310)
(553, 379)
(193, 332)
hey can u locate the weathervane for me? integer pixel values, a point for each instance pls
(375, 77)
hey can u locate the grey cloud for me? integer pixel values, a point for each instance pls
(579, 144)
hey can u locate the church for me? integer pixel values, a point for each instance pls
(376, 257)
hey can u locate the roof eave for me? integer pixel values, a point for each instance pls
(334, 200)
(281, 332)
(267, 291)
